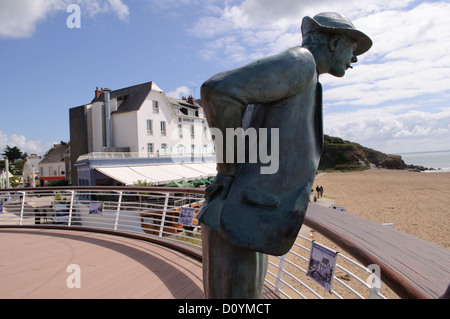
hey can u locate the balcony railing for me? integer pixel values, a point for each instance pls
(169, 214)
(119, 155)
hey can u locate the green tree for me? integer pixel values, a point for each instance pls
(13, 153)
(16, 168)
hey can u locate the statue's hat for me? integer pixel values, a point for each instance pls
(332, 22)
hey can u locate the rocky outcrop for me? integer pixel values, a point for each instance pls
(339, 154)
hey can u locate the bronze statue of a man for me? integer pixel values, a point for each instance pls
(247, 213)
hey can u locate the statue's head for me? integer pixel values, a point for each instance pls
(339, 36)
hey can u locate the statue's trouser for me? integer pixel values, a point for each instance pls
(229, 271)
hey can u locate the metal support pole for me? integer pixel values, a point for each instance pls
(22, 208)
(116, 223)
(33, 182)
(72, 196)
(7, 172)
(163, 218)
(280, 273)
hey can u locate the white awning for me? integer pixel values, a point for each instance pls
(159, 174)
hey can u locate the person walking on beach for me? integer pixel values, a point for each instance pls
(318, 191)
(321, 191)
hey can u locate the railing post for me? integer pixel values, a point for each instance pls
(22, 208)
(72, 196)
(116, 222)
(374, 281)
(163, 218)
(280, 273)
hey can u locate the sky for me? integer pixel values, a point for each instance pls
(396, 99)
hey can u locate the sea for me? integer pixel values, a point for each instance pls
(439, 160)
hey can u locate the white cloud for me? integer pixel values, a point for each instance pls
(19, 18)
(3, 140)
(26, 146)
(401, 34)
(406, 70)
(408, 59)
(120, 9)
(179, 92)
(393, 129)
(268, 27)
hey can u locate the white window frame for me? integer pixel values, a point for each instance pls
(150, 148)
(149, 127)
(155, 107)
(163, 128)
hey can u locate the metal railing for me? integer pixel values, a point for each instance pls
(119, 155)
(170, 214)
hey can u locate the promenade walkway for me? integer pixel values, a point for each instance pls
(33, 264)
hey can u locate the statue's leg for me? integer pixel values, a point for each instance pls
(230, 271)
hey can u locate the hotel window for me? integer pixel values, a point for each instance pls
(163, 149)
(163, 128)
(192, 130)
(180, 130)
(192, 149)
(149, 127)
(155, 107)
(150, 148)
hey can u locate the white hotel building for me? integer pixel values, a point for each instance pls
(133, 134)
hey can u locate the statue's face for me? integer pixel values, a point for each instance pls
(343, 55)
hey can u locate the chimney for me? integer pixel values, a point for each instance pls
(98, 92)
(190, 99)
(107, 117)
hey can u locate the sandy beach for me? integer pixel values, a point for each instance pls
(416, 203)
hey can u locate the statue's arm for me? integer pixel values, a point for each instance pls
(226, 95)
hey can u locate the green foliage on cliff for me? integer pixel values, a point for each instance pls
(339, 154)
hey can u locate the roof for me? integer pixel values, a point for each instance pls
(132, 97)
(160, 174)
(55, 155)
(182, 103)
